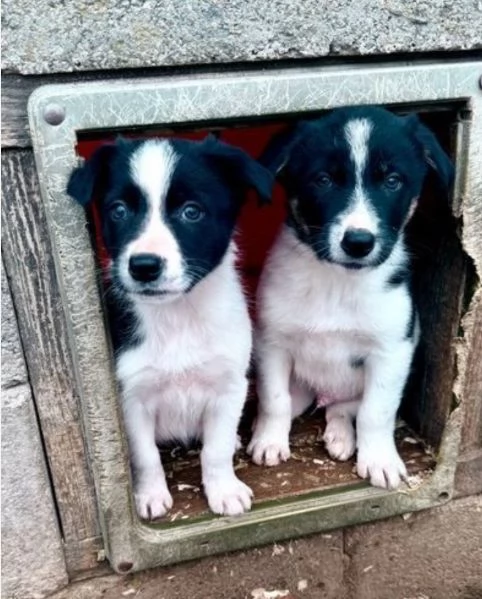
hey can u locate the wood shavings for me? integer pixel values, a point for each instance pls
(318, 462)
(410, 440)
(185, 487)
(277, 550)
(240, 465)
(128, 592)
(311, 477)
(284, 483)
(414, 481)
(407, 515)
(264, 594)
(297, 457)
(171, 577)
(175, 516)
(368, 568)
(302, 585)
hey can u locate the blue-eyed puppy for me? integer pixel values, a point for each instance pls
(180, 325)
(337, 321)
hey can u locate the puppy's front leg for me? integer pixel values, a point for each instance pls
(270, 442)
(226, 494)
(386, 375)
(151, 494)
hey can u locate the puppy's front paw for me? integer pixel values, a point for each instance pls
(269, 444)
(269, 450)
(228, 496)
(381, 464)
(339, 438)
(152, 501)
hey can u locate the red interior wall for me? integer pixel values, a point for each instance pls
(257, 225)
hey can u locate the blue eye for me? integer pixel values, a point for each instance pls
(393, 182)
(118, 211)
(324, 180)
(192, 212)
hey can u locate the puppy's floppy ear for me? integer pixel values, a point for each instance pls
(239, 168)
(91, 176)
(435, 157)
(277, 153)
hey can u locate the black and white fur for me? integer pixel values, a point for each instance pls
(180, 325)
(337, 321)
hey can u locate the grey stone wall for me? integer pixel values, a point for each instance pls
(32, 557)
(42, 36)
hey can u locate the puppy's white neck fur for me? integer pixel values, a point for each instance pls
(200, 304)
(398, 257)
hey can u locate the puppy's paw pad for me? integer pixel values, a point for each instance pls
(339, 438)
(268, 451)
(382, 467)
(228, 497)
(152, 503)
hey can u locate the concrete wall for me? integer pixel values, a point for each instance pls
(41, 36)
(32, 556)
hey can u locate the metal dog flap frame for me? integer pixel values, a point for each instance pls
(58, 113)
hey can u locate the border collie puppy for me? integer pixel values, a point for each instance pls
(179, 320)
(337, 322)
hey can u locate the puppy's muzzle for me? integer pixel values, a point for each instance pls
(358, 243)
(146, 268)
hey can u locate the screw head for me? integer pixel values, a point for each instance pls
(125, 566)
(54, 114)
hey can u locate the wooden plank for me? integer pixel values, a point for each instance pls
(440, 267)
(472, 390)
(36, 565)
(28, 260)
(309, 470)
(468, 476)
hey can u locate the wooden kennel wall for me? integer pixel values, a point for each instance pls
(63, 117)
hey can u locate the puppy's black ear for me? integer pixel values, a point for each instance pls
(435, 157)
(239, 168)
(277, 153)
(91, 176)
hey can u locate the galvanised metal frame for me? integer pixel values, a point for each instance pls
(58, 113)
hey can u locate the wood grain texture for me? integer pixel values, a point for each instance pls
(440, 270)
(28, 260)
(472, 390)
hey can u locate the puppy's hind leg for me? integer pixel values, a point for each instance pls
(301, 398)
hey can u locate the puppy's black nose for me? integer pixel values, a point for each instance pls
(146, 267)
(358, 243)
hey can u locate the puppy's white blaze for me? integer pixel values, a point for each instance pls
(359, 215)
(357, 133)
(152, 167)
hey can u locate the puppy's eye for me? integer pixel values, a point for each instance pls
(323, 180)
(393, 182)
(118, 211)
(192, 212)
